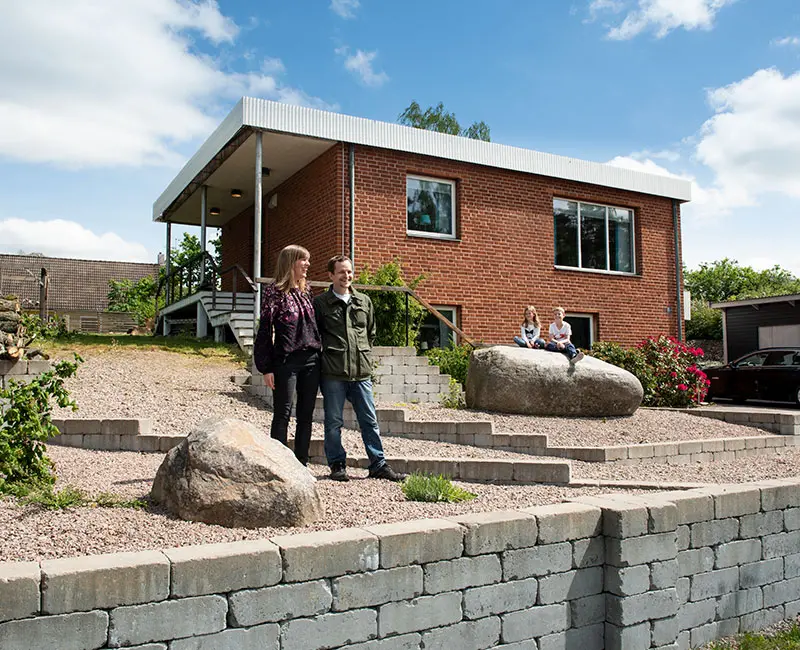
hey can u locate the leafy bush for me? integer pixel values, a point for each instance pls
(25, 426)
(454, 397)
(433, 489)
(137, 298)
(390, 306)
(706, 322)
(666, 368)
(52, 328)
(452, 360)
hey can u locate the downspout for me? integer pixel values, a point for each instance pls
(678, 288)
(258, 213)
(352, 171)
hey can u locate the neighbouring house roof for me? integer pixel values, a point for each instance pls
(73, 284)
(755, 302)
(299, 134)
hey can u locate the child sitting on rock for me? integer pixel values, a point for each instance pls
(560, 333)
(529, 332)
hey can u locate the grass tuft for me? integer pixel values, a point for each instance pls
(434, 489)
(786, 639)
(111, 500)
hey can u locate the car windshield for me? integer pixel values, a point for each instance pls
(752, 360)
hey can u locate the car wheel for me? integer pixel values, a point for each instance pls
(797, 395)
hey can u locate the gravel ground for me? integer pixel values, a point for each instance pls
(177, 391)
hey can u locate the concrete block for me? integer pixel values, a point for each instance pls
(493, 532)
(663, 574)
(586, 638)
(261, 637)
(641, 451)
(120, 426)
(791, 519)
(19, 590)
(418, 542)
(714, 583)
(500, 598)
(641, 607)
(329, 630)
(543, 471)
(559, 587)
(104, 581)
(792, 609)
(780, 544)
(402, 642)
(711, 533)
(220, 568)
(461, 573)
(760, 524)
(791, 565)
(664, 631)
(780, 494)
(420, 613)
(621, 518)
(727, 627)
(684, 537)
(739, 603)
(688, 447)
(761, 573)
(377, 587)
(734, 500)
(485, 470)
(695, 614)
(628, 581)
(737, 552)
(537, 561)
(683, 641)
(700, 636)
(325, 554)
(632, 637)
(80, 426)
(683, 587)
(566, 521)
(102, 442)
(81, 631)
(467, 635)
(271, 604)
(641, 550)
(171, 619)
(534, 622)
(782, 592)
(588, 552)
(760, 619)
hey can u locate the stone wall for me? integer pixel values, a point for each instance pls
(21, 371)
(665, 570)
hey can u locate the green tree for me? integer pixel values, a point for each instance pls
(436, 118)
(137, 298)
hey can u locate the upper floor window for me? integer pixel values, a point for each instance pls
(430, 207)
(592, 236)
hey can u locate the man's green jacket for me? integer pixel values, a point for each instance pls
(347, 331)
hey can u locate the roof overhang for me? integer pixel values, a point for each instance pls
(295, 135)
(755, 302)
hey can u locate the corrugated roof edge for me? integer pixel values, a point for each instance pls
(312, 122)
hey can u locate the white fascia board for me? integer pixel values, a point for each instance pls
(755, 301)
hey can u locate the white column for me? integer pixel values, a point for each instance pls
(257, 220)
(203, 213)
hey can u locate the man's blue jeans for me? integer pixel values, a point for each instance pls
(359, 394)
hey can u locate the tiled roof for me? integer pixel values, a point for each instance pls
(74, 284)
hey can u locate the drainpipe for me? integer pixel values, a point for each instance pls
(257, 217)
(678, 288)
(352, 171)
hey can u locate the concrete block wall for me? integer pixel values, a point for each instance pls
(785, 422)
(665, 570)
(22, 371)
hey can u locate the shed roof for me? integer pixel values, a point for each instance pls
(754, 302)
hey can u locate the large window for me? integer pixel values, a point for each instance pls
(430, 207)
(595, 237)
(433, 333)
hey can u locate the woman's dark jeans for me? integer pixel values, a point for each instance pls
(298, 372)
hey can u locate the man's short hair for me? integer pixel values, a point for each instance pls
(335, 260)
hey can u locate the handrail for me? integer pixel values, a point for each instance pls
(406, 290)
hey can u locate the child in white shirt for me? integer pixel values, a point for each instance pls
(560, 333)
(529, 331)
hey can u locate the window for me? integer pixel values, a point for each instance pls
(430, 207)
(594, 237)
(582, 329)
(752, 361)
(433, 333)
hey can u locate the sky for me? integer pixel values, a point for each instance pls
(101, 103)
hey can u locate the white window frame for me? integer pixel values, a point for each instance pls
(607, 270)
(591, 317)
(454, 320)
(433, 235)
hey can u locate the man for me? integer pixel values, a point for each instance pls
(346, 323)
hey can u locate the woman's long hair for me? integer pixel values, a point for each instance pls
(535, 316)
(284, 276)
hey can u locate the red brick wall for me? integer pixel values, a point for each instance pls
(503, 259)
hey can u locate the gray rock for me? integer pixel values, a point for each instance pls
(538, 382)
(230, 473)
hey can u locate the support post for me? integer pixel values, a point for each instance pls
(203, 213)
(168, 265)
(44, 287)
(257, 221)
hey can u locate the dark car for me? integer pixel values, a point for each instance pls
(771, 374)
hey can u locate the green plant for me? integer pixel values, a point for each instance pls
(111, 500)
(390, 306)
(786, 639)
(706, 322)
(434, 489)
(45, 496)
(454, 397)
(25, 425)
(452, 360)
(52, 328)
(137, 298)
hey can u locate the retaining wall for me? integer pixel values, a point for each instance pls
(22, 371)
(667, 570)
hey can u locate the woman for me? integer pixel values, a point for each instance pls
(287, 347)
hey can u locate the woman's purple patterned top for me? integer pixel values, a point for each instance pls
(290, 316)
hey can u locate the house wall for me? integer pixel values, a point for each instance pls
(665, 570)
(743, 323)
(503, 259)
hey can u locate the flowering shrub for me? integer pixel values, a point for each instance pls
(666, 368)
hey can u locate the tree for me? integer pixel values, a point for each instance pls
(436, 118)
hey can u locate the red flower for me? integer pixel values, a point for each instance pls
(683, 387)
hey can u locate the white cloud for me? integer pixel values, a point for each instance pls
(60, 238)
(360, 64)
(789, 41)
(345, 8)
(90, 83)
(660, 16)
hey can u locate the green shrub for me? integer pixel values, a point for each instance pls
(52, 328)
(706, 322)
(454, 397)
(137, 298)
(25, 426)
(390, 306)
(452, 360)
(433, 489)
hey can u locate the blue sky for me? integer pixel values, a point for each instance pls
(102, 103)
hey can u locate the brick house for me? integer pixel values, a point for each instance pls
(492, 227)
(78, 289)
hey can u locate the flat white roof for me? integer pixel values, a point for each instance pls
(756, 301)
(325, 125)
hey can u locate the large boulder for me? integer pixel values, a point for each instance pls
(230, 473)
(538, 382)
